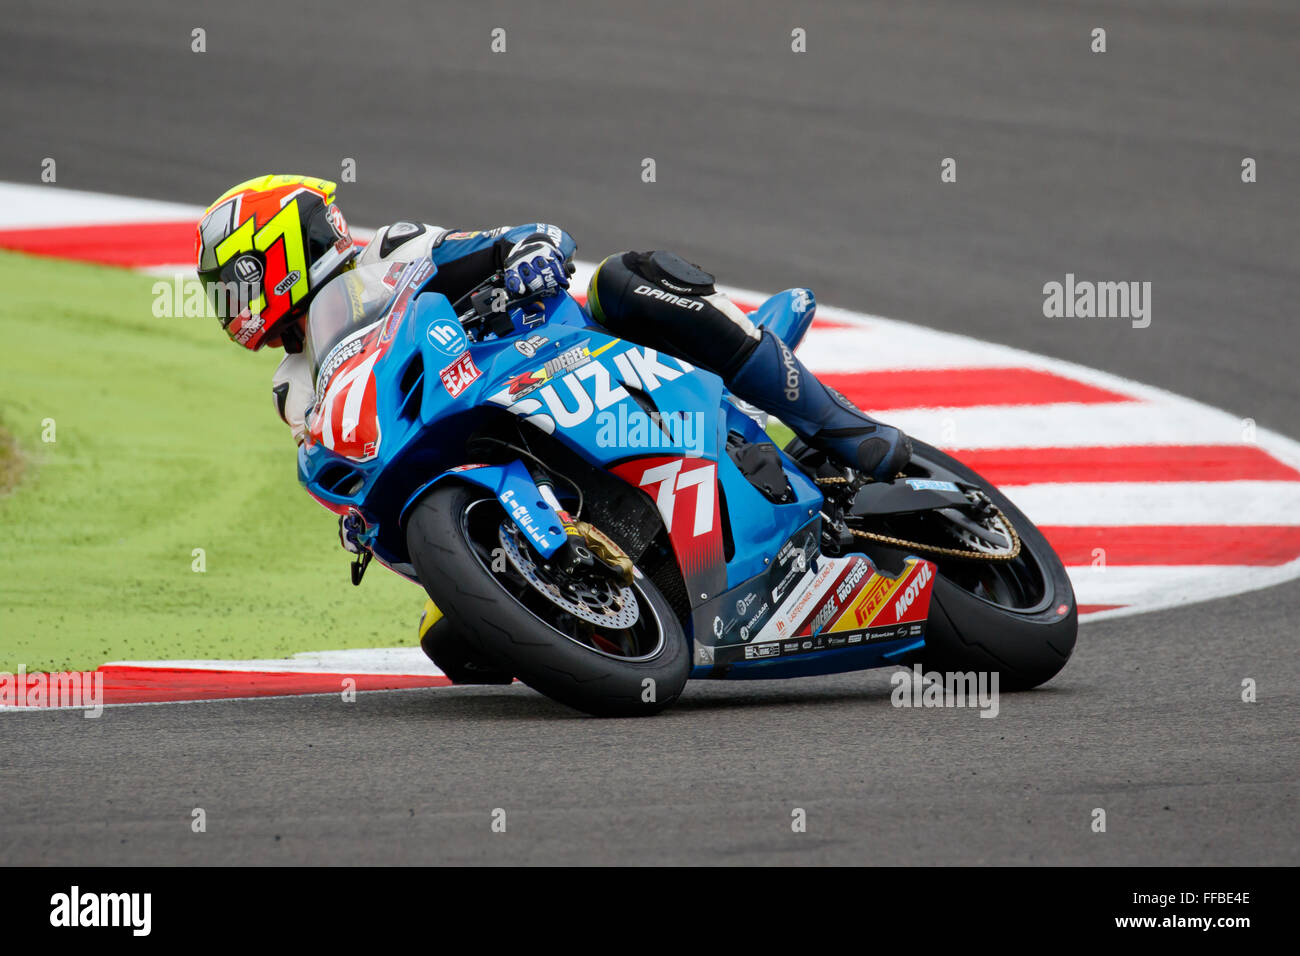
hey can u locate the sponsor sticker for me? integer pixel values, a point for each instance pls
(413, 280)
(248, 328)
(349, 348)
(869, 602)
(850, 582)
(824, 614)
(393, 274)
(567, 360)
(811, 591)
(248, 268)
(917, 587)
(528, 347)
(287, 283)
(523, 518)
(927, 484)
(447, 337)
(460, 375)
(338, 224)
(592, 383)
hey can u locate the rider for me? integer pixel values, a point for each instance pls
(285, 237)
(280, 239)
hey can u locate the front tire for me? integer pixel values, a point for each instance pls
(451, 538)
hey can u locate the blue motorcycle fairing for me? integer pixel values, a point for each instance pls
(589, 390)
(788, 315)
(421, 421)
(519, 495)
(580, 394)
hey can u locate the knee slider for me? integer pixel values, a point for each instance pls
(670, 271)
(650, 277)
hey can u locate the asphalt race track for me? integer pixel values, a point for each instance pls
(775, 170)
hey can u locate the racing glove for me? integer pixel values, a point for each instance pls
(535, 267)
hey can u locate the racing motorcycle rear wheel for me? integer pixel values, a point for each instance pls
(1017, 617)
(505, 605)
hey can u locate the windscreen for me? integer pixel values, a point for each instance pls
(349, 302)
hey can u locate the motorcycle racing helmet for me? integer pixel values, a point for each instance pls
(264, 249)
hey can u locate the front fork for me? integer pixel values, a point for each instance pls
(585, 545)
(573, 556)
(528, 496)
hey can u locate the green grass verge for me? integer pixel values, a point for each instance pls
(165, 441)
(12, 461)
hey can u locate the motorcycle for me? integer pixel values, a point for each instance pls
(604, 521)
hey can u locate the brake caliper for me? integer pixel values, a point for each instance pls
(602, 546)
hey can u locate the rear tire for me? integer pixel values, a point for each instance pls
(1027, 647)
(499, 630)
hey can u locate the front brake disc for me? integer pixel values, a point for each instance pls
(609, 604)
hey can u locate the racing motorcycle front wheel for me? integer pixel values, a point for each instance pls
(585, 637)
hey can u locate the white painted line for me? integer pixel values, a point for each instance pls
(1067, 425)
(226, 700)
(879, 349)
(1152, 588)
(1160, 503)
(398, 661)
(31, 206)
